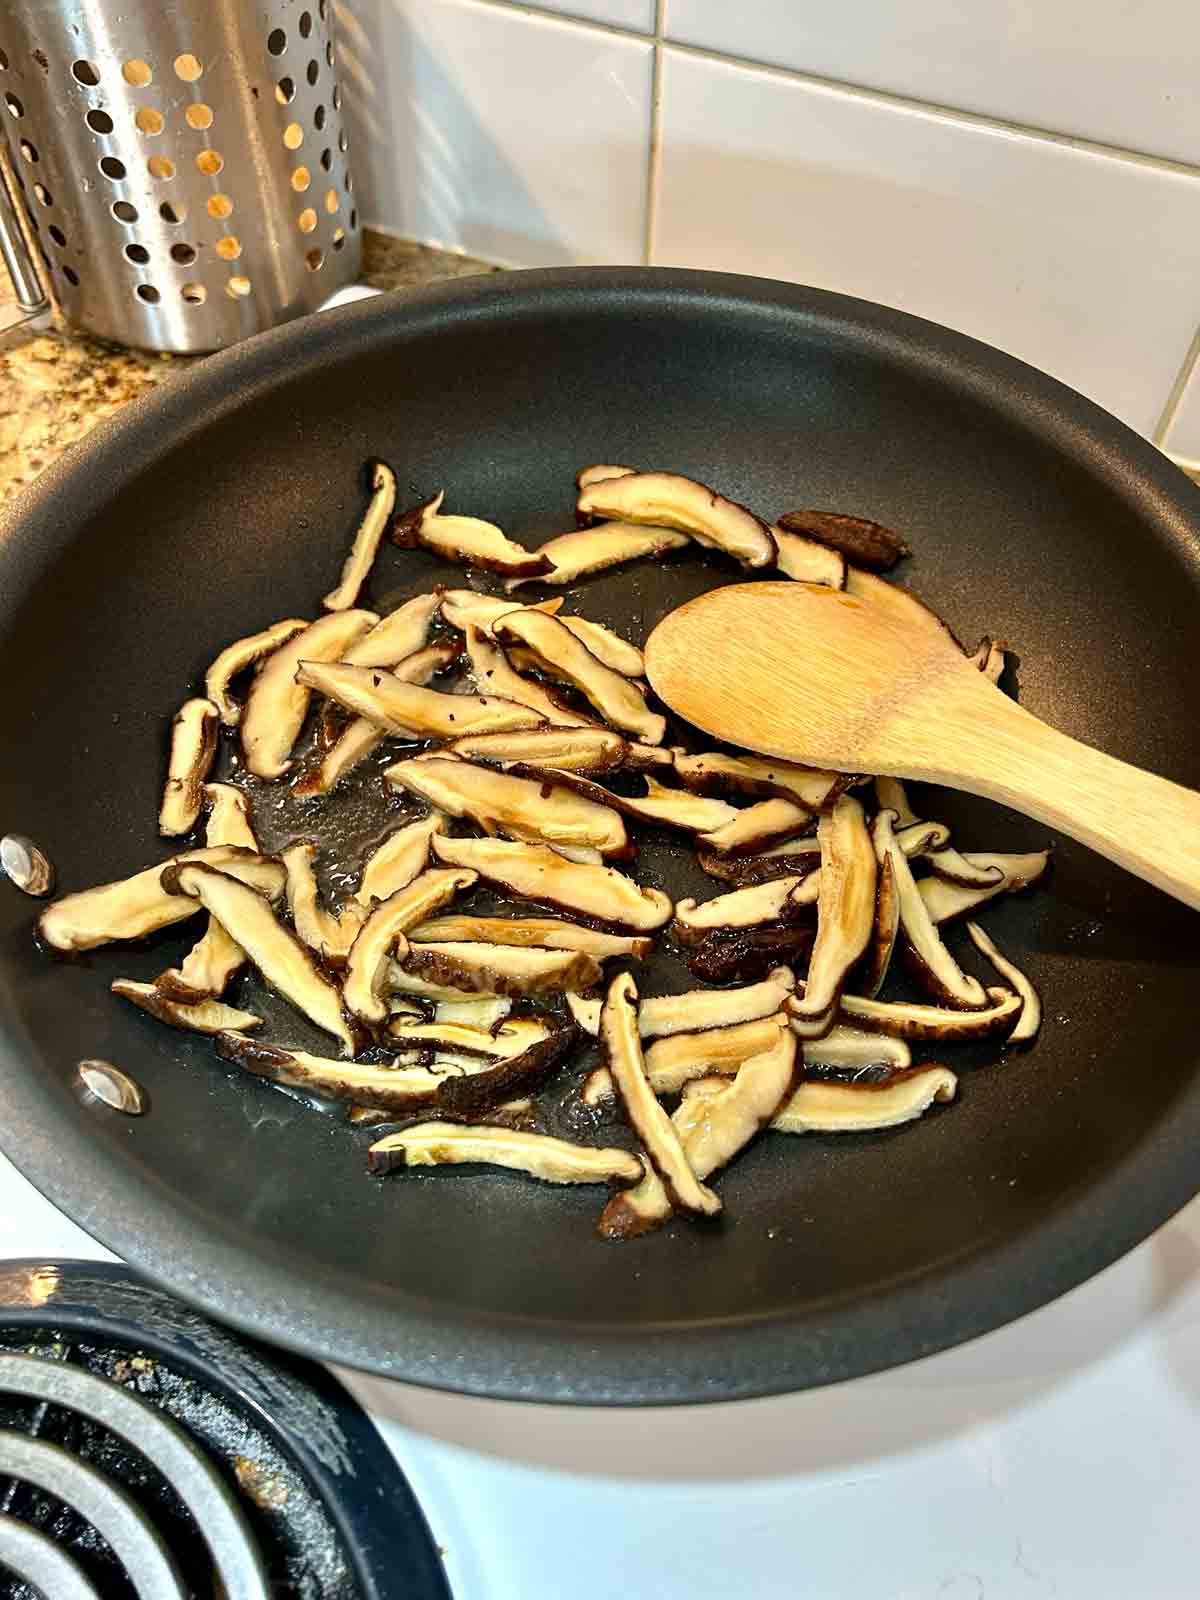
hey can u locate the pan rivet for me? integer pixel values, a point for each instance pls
(24, 865)
(114, 1088)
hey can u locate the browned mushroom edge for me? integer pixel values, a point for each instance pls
(922, 948)
(884, 930)
(741, 955)
(469, 541)
(1030, 1019)
(205, 1015)
(502, 969)
(946, 902)
(914, 1020)
(593, 549)
(757, 826)
(713, 772)
(867, 544)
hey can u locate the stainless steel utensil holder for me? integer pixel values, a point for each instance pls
(182, 164)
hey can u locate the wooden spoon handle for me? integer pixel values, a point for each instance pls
(1145, 823)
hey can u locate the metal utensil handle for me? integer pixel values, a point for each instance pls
(27, 285)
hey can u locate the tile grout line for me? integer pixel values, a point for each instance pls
(1190, 365)
(858, 91)
(654, 146)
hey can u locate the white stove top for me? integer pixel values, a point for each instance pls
(1056, 1458)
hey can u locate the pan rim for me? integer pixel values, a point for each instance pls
(259, 1290)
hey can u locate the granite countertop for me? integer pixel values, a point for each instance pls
(55, 385)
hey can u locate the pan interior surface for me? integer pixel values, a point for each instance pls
(229, 502)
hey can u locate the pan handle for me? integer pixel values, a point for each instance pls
(27, 285)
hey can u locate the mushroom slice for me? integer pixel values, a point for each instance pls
(509, 1039)
(330, 936)
(215, 957)
(360, 737)
(409, 985)
(383, 932)
(469, 541)
(133, 907)
(537, 812)
(848, 1049)
(609, 544)
(520, 1073)
(647, 757)
(193, 746)
(278, 703)
(667, 500)
(501, 968)
(1030, 1019)
(950, 864)
(494, 674)
(398, 860)
(742, 908)
(922, 838)
(398, 636)
(462, 606)
(660, 806)
(616, 698)
(892, 796)
(945, 901)
(845, 913)
(885, 928)
(549, 933)
(698, 1009)
(806, 561)
(904, 1019)
(439, 1144)
(407, 708)
(239, 655)
(284, 962)
(622, 1045)
(371, 530)
(759, 825)
(587, 476)
(601, 895)
(567, 749)
(932, 964)
(672, 1062)
(739, 955)
(865, 1107)
(199, 1016)
(792, 858)
(385, 1088)
(991, 658)
(867, 544)
(607, 646)
(714, 773)
(480, 1011)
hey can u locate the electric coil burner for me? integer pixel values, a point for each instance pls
(148, 1454)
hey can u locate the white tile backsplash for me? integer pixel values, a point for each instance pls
(1121, 73)
(1183, 435)
(1082, 264)
(512, 136)
(637, 15)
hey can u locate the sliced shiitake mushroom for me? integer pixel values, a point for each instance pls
(523, 808)
(512, 1037)
(697, 1010)
(565, 749)
(586, 476)
(885, 928)
(607, 646)
(438, 1144)
(667, 500)
(494, 675)
(239, 655)
(133, 907)
(360, 737)
(817, 1107)
(501, 969)
(905, 1019)
(477, 1011)
(892, 796)
(199, 1016)
(740, 955)
(797, 858)
(867, 544)
(759, 825)
(991, 657)
(741, 908)
(389, 1088)
(398, 860)
(615, 696)
(925, 952)
(549, 933)
(407, 988)
(469, 541)
(212, 961)
(856, 1050)
(806, 561)
(602, 895)
(521, 1073)
(407, 708)
(946, 901)
(715, 773)
(365, 545)
(329, 936)
(383, 933)
(674, 1061)
(1030, 1019)
(845, 913)
(193, 747)
(284, 962)
(398, 636)
(660, 806)
(955, 867)
(622, 1046)
(595, 549)
(277, 703)
(461, 607)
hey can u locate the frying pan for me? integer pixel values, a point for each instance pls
(227, 500)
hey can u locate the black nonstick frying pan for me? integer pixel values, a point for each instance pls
(227, 501)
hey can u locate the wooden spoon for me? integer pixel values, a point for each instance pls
(869, 680)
